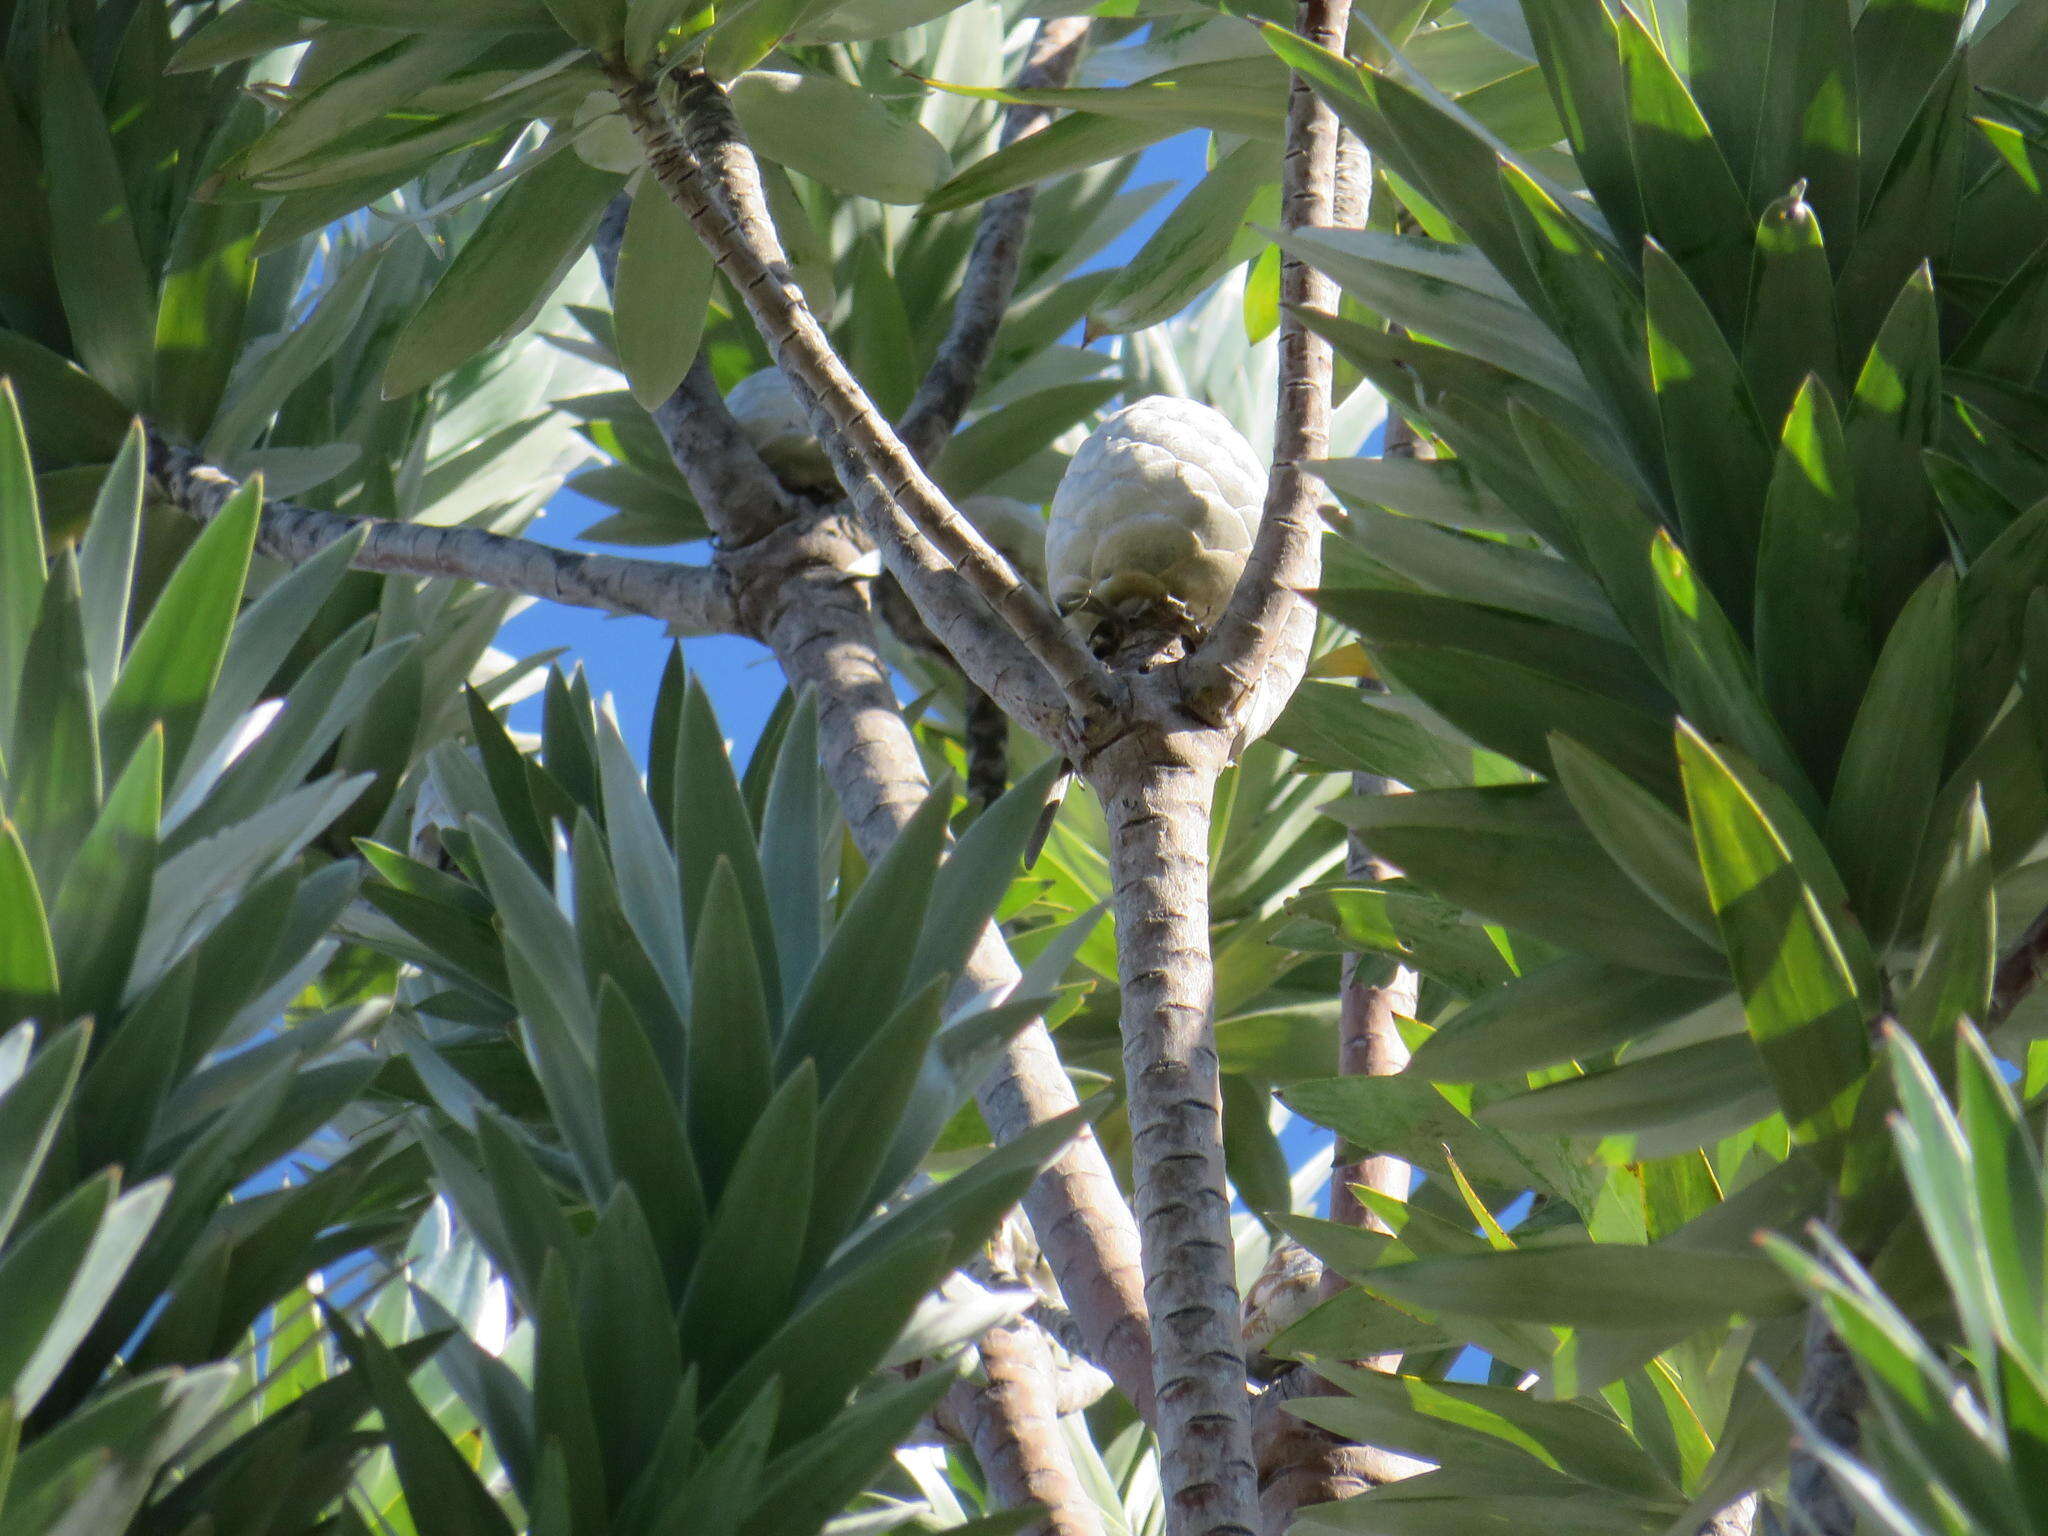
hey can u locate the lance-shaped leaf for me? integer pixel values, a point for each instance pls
(659, 301)
(1608, 1286)
(838, 134)
(504, 272)
(108, 297)
(1789, 334)
(1572, 1009)
(1466, 845)
(1203, 237)
(1714, 678)
(1580, 51)
(1691, 203)
(1812, 637)
(1893, 417)
(1797, 988)
(1716, 450)
(1891, 764)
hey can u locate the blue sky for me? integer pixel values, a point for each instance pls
(624, 657)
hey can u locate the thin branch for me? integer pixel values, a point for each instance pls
(999, 240)
(2018, 971)
(740, 496)
(1286, 557)
(711, 176)
(691, 600)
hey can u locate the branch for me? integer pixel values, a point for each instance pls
(711, 176)
(2018, 971)
(741, 498)
(821, 629)
(691, 600)
(1012, 1419)
(999, 240)
(1158, 814)
(1286, 557)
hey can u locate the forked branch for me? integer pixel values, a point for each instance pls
(710, 173)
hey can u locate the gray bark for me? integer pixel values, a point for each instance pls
(709, 172)
(690, 600)
(1156, 793)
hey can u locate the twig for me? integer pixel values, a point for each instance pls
(691, 600)
(709, 172)
(999, 240)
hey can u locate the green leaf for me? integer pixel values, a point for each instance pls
(104, 897)
(70, 414)
(750, 1264)
(1910, 218)
(23, 570)
(1714, 678)
(867, 965)
(62, 1271)
(200, 312)
(599, 25)
(1572, 1009)
(1991, 606)
(1642, 834)
(1789, 335)
(279, 372)
(1891, 765)
(976, 877)
(1693, 1095)
(649, 1145)
(732, 1048)
(1593, 302)
(1812, 645)
(1466, 845)
(1692, 206)
(650, 894)
(1458, 1423)
(1580, 52)
(1202, 238)
(432, 1471)
(1234, 96)
(660, 295)
(1449, 293)
(1717, 452)
(108, 298)
(710, 806)
(1894, 415)
(1073, 143)
(791, 834)
(1901, 47)
(631, 1355)
(858, 1117)
(1442, 491)
(451, 16)
(838, 134)
(999, 441)
(1607, 1286)
(1953, 980)
(33, 1107)
(171, 667)
(106, 562)
(1797, 988)
(54, 785)
(836, 1341)
(504, 273)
